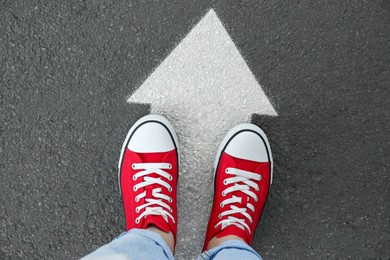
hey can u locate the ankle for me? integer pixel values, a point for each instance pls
(168, 237)
(216, 241)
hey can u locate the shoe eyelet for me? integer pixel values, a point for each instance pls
(221, 205)
(170, 200)
(170, 166)
(170, 189)
(134, 178)
(219, 216)
(257, 188)
(133, 166)
(136, 199)
(223, 194)
(137, 209)
(170, 210)
(136, 221)
(170, 177)
(225, 182)
(227, 170)
(134, 188)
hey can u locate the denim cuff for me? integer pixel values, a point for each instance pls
(156, 238)
(231, 244)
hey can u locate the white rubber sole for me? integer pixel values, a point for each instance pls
(151, 118)
(237, 129)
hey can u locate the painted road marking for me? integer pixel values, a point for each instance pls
(204, 87)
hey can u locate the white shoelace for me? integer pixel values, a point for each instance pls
(154, 205)
(246, 178)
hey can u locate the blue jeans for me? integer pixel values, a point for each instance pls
(145, 244)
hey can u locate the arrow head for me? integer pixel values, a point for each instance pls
(205, 75)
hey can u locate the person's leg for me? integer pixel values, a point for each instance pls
(134, 244)
(231, 249)
(148, 173)
(243, 176)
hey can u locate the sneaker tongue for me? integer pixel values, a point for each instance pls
(235, 231)
(157, 221)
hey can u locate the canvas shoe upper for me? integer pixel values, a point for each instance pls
(148, 173)
(243, 175)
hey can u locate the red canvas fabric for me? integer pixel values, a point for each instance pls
(260, 168)
(128, 194)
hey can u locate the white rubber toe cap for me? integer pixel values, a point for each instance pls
(246, 141)
(249, 146)
(151, 137)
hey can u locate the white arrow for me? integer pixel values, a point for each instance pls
(204, 87)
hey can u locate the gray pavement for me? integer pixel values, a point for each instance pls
(67, 68)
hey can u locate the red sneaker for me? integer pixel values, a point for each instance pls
(148, 172)
(243, 176)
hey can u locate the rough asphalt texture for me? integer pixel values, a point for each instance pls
(67, 67)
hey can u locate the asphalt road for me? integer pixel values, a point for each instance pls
(67, 68)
